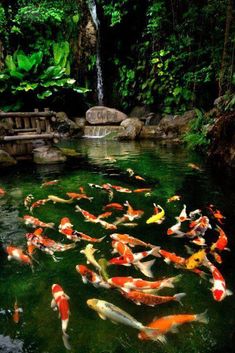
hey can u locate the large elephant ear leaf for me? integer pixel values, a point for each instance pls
(24, 62)
(10, 64)
(61, 52)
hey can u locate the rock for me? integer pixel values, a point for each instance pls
(153, 119)
(139, 112)
(6, 160)
(48, 155)
(132, 128)
(102, 115)
(80, 123)
(63, 124)
(222, 136)
(170, 127)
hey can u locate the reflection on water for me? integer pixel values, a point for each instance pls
(166, 169)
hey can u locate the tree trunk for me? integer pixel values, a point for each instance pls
(225, 62)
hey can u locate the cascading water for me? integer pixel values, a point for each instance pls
(100, 84)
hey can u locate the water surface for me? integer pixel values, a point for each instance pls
(166, 169)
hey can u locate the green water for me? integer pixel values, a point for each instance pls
(165, 168)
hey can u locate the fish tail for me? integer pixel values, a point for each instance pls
(171, 280)
(179, 296)
(99, 240)
(155, 251)
(65, 338)
(154, 335)
(51, 225)
(90, 198)
(69, 246)
(70, 200)
(203, 318)
(145, 267)
(78, 209)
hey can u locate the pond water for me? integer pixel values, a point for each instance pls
(166, 170)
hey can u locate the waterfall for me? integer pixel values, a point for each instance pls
(100, 84)
(96, 132)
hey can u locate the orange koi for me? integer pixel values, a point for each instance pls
(2, 192)
(142, 190)
(151, 299)
(114, 205)
(216, 214)
(49, 183)
(17, 254)
(174, 198)
(167, 324)
(16, 314)
(91, 218)
(76, 196)
(195, 166)
(221, 242)
(131, 213)
(127, 239)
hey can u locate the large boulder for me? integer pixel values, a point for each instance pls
(6, 160)
(48, 155)
(132, 128)
(103, 115)
(63, 124)
(222, 136)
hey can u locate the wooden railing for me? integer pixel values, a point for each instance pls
(28, 125)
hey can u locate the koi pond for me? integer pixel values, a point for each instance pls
(168, 170)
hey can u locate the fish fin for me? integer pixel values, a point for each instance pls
(53, 304)
(84, 280)
(167, 261)
(65, 338)
(66, 296)
(188, 250)
(103, 317)
(78, 209)
(51, 225)
(179, 296)
(229, 292)
(202, 317)
(174, 329)
(145, 267)
(227, 249)
(179, 235)
(156, 251)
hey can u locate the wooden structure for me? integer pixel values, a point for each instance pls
(21, 129)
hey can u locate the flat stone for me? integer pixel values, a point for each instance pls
(48, 155)
(103, 115)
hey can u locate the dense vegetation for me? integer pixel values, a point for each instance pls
(168, 55)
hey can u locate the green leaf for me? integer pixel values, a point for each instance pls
(24, 62)
(76, 18)
(16, 74)
(10, 63)
(44, 94)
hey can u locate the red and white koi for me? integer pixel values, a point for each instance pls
(199, 226)
(38, 203)
(60, 302)
(139, 298)
(35, 222)
(94, 219)
(121, 189)
(128, 256)
(131, 213)
(130, 283)
(66, 228)
(183, 215)
(91, 277)
(219, 290)
(175, 229)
